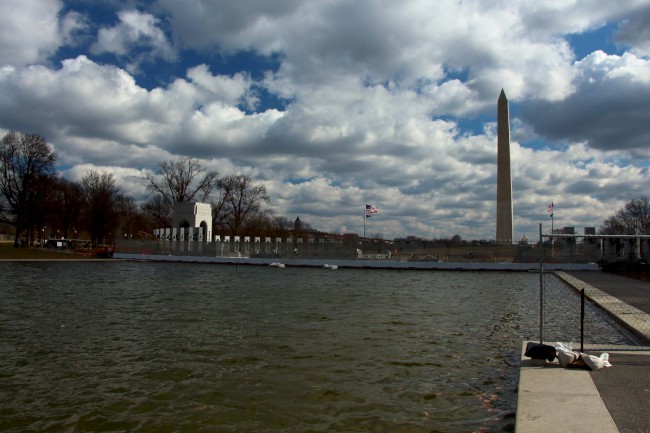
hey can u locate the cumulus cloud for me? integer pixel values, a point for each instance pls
(82, 98)
(606, 110)
(412, 43)
(374, 103)
(128, 180)
(635, 32)
(135, 30)
(74, 28)
(230, 26)
(29, 31)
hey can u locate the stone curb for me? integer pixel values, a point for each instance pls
(628, 315)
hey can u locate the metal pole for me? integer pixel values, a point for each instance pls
(552, 239)
(541, 288)
(582, 320)
(365, 216)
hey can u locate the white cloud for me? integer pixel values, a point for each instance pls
(135, 29)
(244, 24)
(230, 90)
(73, 28)
(519, 47)
(371, 97)
(128, 180)
(29, 31)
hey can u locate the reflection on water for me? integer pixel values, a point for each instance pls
(116, 346)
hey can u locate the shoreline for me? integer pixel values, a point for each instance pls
(62, 260)
(362, 264)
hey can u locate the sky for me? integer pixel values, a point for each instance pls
(334, 104)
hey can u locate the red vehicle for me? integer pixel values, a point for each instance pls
(104, 251)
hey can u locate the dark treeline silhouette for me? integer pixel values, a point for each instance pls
(37, 204)
(634, 216)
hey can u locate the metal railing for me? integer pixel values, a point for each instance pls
(622, 303)
(616, 299)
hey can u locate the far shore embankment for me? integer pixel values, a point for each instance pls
(363, 264)
(9, 253)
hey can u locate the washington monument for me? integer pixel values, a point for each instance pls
(504, 182)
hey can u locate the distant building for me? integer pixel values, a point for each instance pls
(297, 226)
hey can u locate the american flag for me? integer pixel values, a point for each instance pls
(370, 209)
(550, 209)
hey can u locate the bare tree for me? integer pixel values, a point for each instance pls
(66, 204)
(240, 199)
(259, 224)
(181, 181)
(220, 213)
(159, 210)
(282, 225)
(634, 215)
(128, 213)
(613, 225)
(101, 194)
(26, 160)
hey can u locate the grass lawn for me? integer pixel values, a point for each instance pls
(8, 252)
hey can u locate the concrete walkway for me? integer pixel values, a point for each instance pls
(625, 390)
(553, 398)
(614, 399)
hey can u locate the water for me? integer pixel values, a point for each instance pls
(146, 347)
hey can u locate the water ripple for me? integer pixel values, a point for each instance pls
(140, 347)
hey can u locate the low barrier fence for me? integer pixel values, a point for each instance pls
(314, 250)
(622, 302)
(343, 248)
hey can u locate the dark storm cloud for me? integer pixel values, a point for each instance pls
(608, 110)
(635, 31)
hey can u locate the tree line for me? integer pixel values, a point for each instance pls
(633, 216)
(39, 204)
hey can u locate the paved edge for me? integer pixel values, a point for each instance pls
(628, 315)
(553, 398)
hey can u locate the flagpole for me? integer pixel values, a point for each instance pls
(552, 230)
(551, 211)
(365, 217)
(369, 210)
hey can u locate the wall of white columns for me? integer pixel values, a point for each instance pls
(184, 241)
